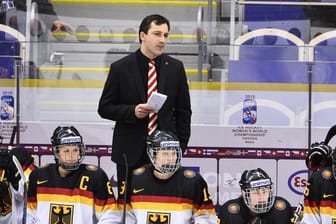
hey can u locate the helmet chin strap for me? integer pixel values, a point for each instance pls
(69, 166)
(162, 175)
(163, 167)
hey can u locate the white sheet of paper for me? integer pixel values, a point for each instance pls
(157, 100)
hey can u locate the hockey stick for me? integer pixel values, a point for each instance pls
(125, 195)
(21, 173)
(12, 136)
(330, 135)
(19, 168)
(24, 179)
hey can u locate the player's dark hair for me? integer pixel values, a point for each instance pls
(146, 23)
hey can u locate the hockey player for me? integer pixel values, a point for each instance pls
(319, 157)
(320, 195)
(165, 192)
(15, 166)
(69, 191)
(257, 204)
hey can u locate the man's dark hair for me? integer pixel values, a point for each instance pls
(146, 23)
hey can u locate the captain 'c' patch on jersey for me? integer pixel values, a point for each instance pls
(189, 173)
(326, 174)
(61, 214)
(158, 218)
(280, 204)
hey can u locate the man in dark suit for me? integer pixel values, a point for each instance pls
(124, 97)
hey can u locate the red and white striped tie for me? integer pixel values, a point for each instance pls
(152, 87)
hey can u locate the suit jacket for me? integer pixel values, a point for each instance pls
(124, 89)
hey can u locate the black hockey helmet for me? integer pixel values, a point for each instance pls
(257, 181)
(164, 140)
(67, 135)
(249, 177)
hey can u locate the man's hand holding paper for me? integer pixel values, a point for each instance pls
(156, 101)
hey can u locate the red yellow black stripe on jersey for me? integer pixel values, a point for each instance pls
(326, 207)
(320, 198)
(167, 203)
(28, 169)
(69, 196)
(86, 186)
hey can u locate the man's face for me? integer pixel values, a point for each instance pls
(154, 42)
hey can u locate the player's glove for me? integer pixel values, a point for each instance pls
(25, 158)
(319, 156)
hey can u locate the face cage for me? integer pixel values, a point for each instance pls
(70, 166)
(261, 207)
(167, 168)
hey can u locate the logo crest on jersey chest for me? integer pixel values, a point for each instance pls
(158, 218)
(60, 213)
(6, 201)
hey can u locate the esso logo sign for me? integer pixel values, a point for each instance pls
(297, 182)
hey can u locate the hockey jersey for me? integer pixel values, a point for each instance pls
(12, 205)
(235, 211)
(84, 196)
(182, 199)
(320, 198)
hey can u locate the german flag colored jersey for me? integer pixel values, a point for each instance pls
(179, 200)
(84, 196)
(320, 198)
(235, 211)
(12, 203)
